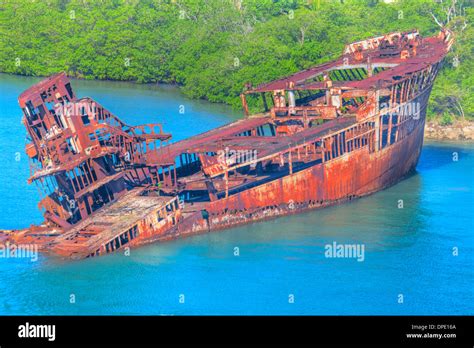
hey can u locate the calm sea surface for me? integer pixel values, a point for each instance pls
(424, 252)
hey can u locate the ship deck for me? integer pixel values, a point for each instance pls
(168, 153)
(214, 140)
(108, 223)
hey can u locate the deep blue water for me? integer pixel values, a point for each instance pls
(408, 251)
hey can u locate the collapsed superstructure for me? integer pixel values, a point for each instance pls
(325, 135)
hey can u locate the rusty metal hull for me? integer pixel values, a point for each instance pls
(335, 132)
(321, 186)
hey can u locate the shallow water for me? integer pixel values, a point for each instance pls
(408, 251)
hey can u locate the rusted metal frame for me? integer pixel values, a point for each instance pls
(175, 177)
(270, 156)
(169, 180)
(382, 119)
(145, 175)
(73, 181)
(413, 89)
(370, 69)
(83, 176)
(109, 193)
(328, 149)
(345, 142)
(355, 133)
(107, 116)
(411, 86)
(324, 152)
(402, 92)
(425, 81)
(416, 90)
(90, 174)
(244, 104)
(434, 72)
(396, 95)
(407, 88)
(333, 146)
(421, 83)
(87, 173)
(33, 134)
(396, 107)
(411, 81)
(79, 179)
(340, 144)
(161, 176)
(357, 138)
(165, 176)
(393, 92)
(226, 181)
(330, 152)
(389, 131)
(403, 118)
(47, 121)
(46, 185)
(290, 162)
(429, 75)
(65, 183)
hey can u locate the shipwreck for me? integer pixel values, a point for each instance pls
(323, 136)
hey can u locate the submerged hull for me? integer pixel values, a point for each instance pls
(332, 135)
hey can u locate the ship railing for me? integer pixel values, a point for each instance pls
(306, 112)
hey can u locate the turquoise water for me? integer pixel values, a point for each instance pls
(408, 251)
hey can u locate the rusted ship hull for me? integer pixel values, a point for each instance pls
(336, 182)
(335, 132)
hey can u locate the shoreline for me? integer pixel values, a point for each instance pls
(459, 130)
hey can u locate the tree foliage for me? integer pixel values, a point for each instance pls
(213, 47)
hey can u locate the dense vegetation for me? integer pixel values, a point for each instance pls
(213, 47)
